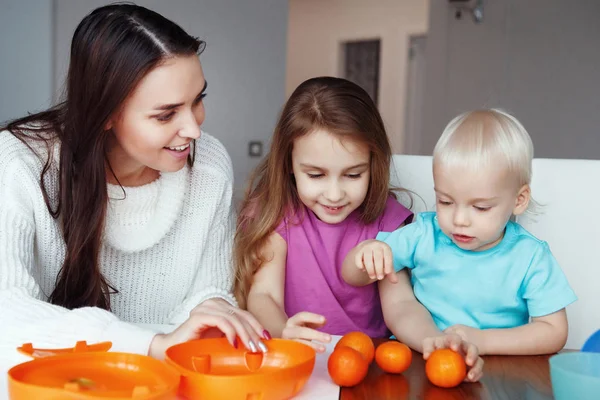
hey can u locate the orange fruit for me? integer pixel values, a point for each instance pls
(347, 367)
(445, 368)
(393, 357)
(360, 342)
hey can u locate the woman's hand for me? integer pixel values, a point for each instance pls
(214, 318)
(303, 328)
(468, 350)
(247, 328)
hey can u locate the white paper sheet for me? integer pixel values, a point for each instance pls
(320, 386)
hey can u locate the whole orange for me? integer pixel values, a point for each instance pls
(445, 368)
(347, 367)
(360, 342)
(393, 357)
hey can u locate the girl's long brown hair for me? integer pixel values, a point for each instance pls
(332, 104)
(113, 48)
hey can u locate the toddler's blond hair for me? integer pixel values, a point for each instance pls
(480, 138)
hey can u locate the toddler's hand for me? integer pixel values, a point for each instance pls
(375, 258)
(468, 350)
(303, 328)
(468, 334)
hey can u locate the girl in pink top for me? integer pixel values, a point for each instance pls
(323, 188)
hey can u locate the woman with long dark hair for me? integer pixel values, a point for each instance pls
(115, 207)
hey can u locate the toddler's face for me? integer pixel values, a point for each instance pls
(474, 206)
(332, 176)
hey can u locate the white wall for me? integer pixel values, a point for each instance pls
(244, 63)
(317, 29)
(539, 59)
(26, 53)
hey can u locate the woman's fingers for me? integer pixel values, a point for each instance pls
(197, 324)
(247, 327)
(244, 332)
(252, 323)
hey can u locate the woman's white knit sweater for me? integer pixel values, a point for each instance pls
(167, 247)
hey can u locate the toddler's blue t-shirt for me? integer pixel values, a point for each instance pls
(500, 287)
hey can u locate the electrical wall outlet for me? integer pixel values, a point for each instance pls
(255, 149)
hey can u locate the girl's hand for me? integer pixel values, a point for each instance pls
(468, 350)
(375, 258)
(247, 329)
(302, 327)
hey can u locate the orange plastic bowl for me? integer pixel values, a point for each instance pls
(98, 375)
(212, 369)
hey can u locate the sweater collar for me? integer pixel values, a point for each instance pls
(137, 218)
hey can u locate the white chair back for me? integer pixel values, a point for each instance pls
(567, 191)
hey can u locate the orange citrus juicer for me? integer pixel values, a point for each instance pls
(213, 369)
(89, 372)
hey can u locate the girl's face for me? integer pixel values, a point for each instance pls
(332, 175)
(158, 121)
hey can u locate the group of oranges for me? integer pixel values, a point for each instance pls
(349, 363)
